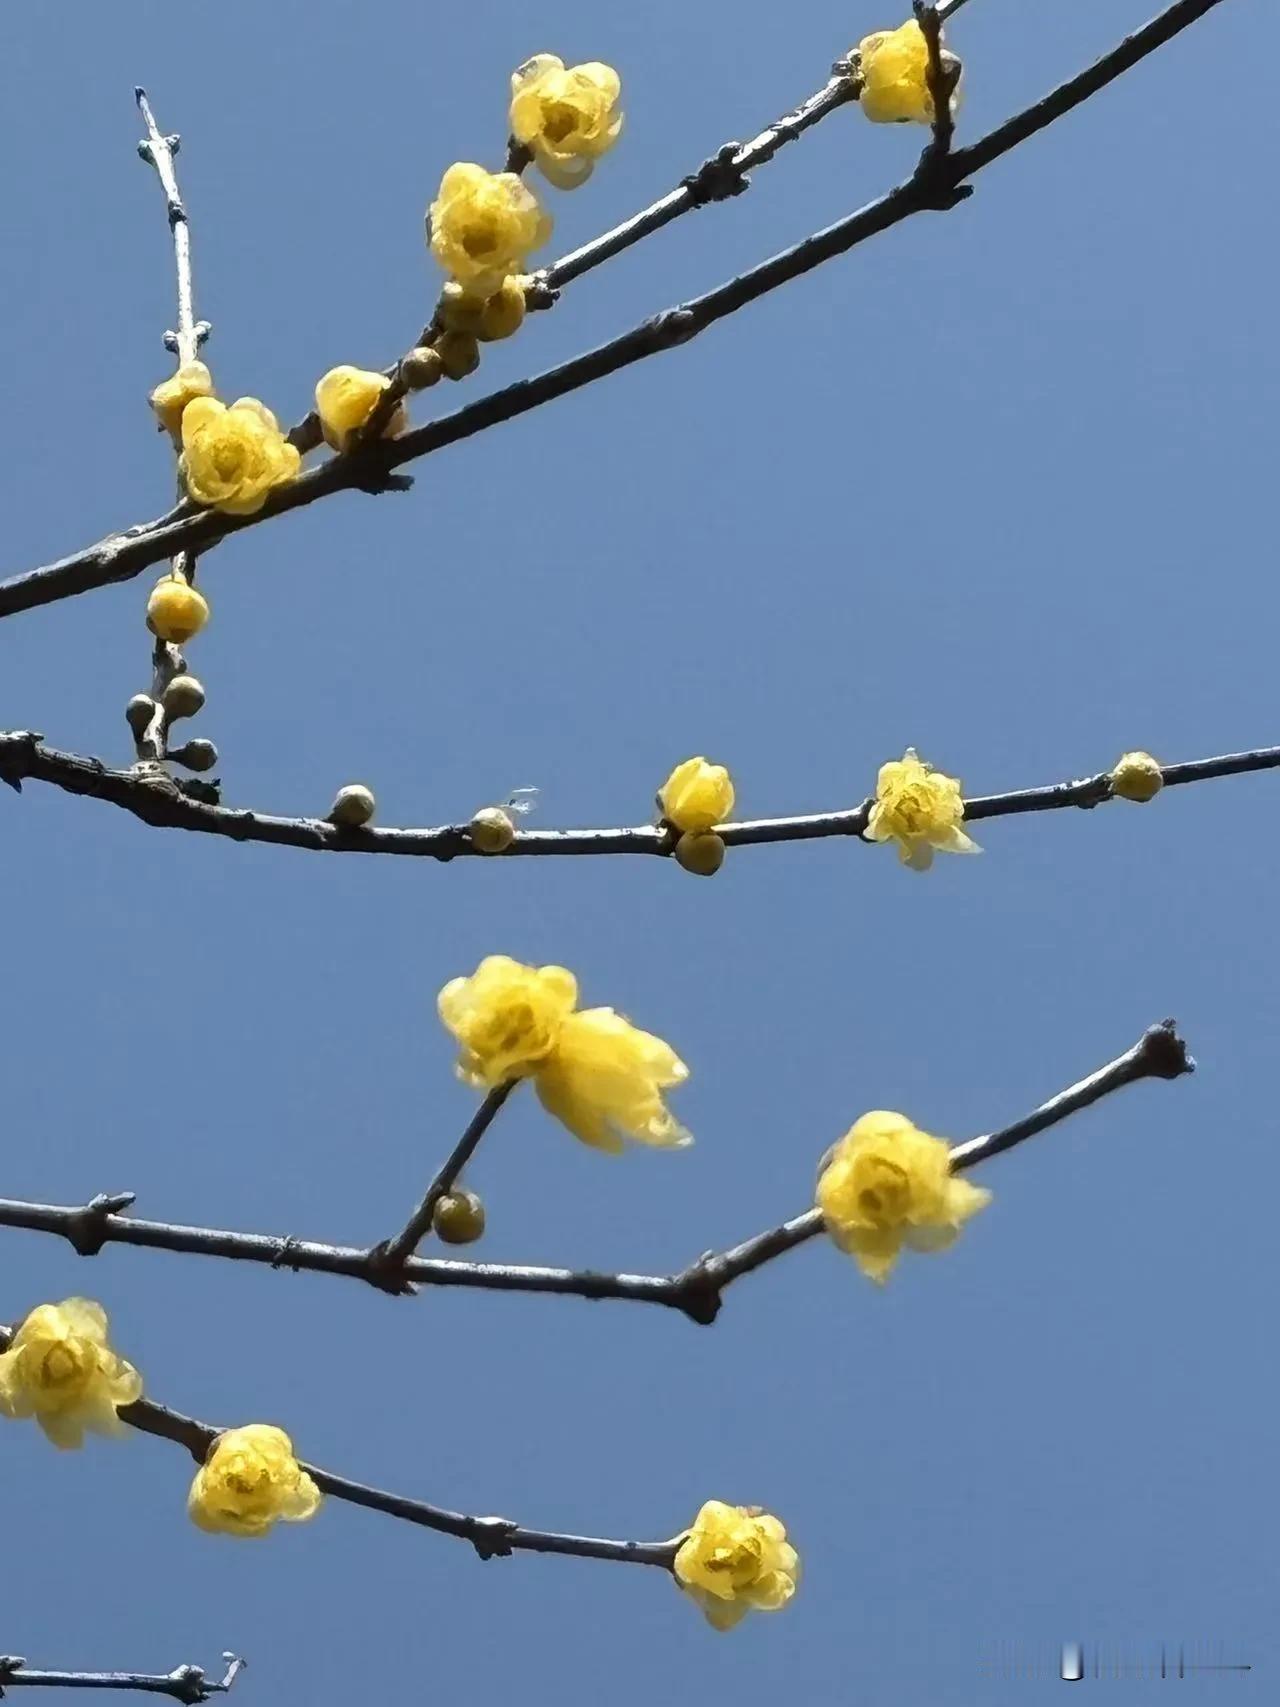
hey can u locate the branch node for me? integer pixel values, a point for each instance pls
(189, 1685)
(86, 1230)
(491, 1537)
(387, 1272)
(720, 176)
(1165, 1053)
(9, 1664)
(696, 1291)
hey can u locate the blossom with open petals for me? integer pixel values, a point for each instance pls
(734, 1560)
(249, 1481)
(484, 225)
(885, 1185)
(919, 808)
(566, 116)
(61, 1370)
(696, 796)
(171, 396)
(232, 457)
(894, 66)
(345, 399)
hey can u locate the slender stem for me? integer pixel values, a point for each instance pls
(929, 18)
(158, 800)
(186, 1683)
(123, 555)
(394, 1252)
(696, 1291)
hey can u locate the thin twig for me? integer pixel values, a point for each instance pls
(696, 1291)
(159, 800)
(940, 83)
(186, 1683)
(123, 555)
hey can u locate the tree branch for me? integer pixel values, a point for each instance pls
(696, 1291)
(160, 800)
(187, 1683)
(123, 555)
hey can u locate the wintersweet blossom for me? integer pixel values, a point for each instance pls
(593, 1070)
(484, 225)
(233, 456)
(171, 396)
(696, 796)
(345, 399)
(734, 1560)
(919, 808)
(1137, 776)
(250, 1480)
(895, 76)
(885, 1185)
(176, 611)
(566, 116)
(61, 1370)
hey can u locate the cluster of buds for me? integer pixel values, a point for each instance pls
(176, 612)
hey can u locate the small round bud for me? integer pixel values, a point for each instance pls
(183, 697)
(176, 611)
(138, 714)
(701, 852)
(459, 354)
(420, 368)
(458, 310)
(1137, 776)
(353, 806)
(503, 314)
(491, 830)
(458, 1218)
(195, 755)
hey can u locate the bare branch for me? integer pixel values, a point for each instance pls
(696, 1291)
(123, 555)
(159, 800)
(184, 1683)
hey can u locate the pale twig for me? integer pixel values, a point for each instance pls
(159, 800)
(696, 1291)
(123, 555)
(188, 1684)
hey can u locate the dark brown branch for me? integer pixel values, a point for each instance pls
(697, 1291)
(157, 799)
(188, 1683)
(124, 555)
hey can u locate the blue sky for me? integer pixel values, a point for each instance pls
(766, 546)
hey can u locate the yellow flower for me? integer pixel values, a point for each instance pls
(345, 399)
(1137, 776)
(594, 1071)
(60, 1370)
(171, 396)
(886, 1185)
(175, 610)
(232, 457)
(249, 1480)
(895, 76)
(696, 796)
(565, 116)
(736, 1559)
(919, 808)
(483, 226)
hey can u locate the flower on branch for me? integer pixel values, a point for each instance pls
(886, 1184)
(895, 76)
(1137, 776)
(171, 396)
(736, 1559)
(696, 796)
(232, 457)
(249, 1480)
(176, 611)
(594, 1071)
(61, 1370)
(566, 116)
(345, 399)
(484, 225)
(919, 808)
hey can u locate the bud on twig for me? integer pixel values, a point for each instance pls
(353, 806)
(196, 755)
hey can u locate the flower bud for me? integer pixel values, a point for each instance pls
(195, 755)
(352, 806)
(503, 314)
(176, 611)
(420, 368)
(138, 714)
(458, 1218)
(458, 310)
(1137, 776)
(491, 830)
(701, 852)
(459, 354)
(183, 697)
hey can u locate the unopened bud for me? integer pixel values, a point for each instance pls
(458, 310)
(353, 806)
(458, 1218)
(195, 755)
(138, 714)
(701, 852)
(183, 697)
(503, 314)
(1137, 776)
(459, 353)
(420, 368)
(491, 830)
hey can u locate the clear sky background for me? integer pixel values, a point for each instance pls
(773, 547)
